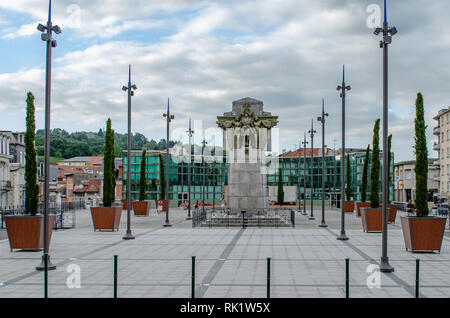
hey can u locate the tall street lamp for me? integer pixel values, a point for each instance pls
(190, 133)
(334, 173)
(298, 176)
(204, 173)
(130, 88)
(312, 132)
(322, 120)
(304, 142)
(343, 88)
(387, 32)
(169, 118)
(47, 37)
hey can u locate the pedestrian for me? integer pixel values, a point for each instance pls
(196, 204)
(410, 208)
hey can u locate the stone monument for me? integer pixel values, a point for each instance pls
(246, 139)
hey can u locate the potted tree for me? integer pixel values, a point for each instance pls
(363, 202)
(26, 232)
(372, 216)
(422, 233)
(161, 203)
(142, 207)
(392, 207)
(107, 217)
(280, 193)
(349, 205)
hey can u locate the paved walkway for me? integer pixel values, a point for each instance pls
(307, 261)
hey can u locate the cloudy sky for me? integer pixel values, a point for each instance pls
(205, 54)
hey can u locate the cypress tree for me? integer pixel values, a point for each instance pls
(364, 176)
(375, 168)
(162, 179)
(421, 151)
(108, 166)
(348, 189)
(280, 194)
(142, 180)
(389, 165)
(31, 186)
(113, 165)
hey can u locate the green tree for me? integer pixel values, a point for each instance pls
(348, 189)
(364, 176)
(108, 166)
(421, 151)
(280, 194)
(389, 164)
(162, 179)
(375, 168)
(31, 186)
(142, 180)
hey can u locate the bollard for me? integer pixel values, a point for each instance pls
(115, 276)
(268, 277)
(417, 277)
(347, 278)
(193, 278)
(45, 275)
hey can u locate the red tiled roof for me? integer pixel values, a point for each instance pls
(317, 151)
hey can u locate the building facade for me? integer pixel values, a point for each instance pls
(442, 146)
(405, 181)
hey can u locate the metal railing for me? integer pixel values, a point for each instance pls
(64, 211)
(244, 219)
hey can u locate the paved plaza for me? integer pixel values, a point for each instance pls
(307, 261)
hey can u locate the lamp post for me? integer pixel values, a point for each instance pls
(190, 133)
(47, 37)
(204, 173)
(312, 132)
(387, 32)
(298, 177)
(130, 91)
(304, 142)
(334, 173)
(343, 89)
(322, 120)
(169, 118)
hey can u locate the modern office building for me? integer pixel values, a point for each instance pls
(291, 165)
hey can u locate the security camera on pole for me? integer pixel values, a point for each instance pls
(169, 118)
(322, 120)
(130, 90)
(343, 88)
(47, 37)
(384, 43)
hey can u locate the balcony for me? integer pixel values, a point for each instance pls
(436, 162)
(436, 146)
(437, 130)
(5, 185)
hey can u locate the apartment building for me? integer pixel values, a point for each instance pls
(442, 146)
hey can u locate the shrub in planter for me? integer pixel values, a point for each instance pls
(280, 193)
(349, 206)
(27, 231)
(142, 207)
(422, 233)
(363, 202)
(108, 216)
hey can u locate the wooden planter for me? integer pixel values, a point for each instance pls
(423, 234)
(392, 213)
(124, 204)
(371, 219)
(164, 206)
(106, 218)
(26, 232)
(349, 206)
(141, 208)
(360, 205)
